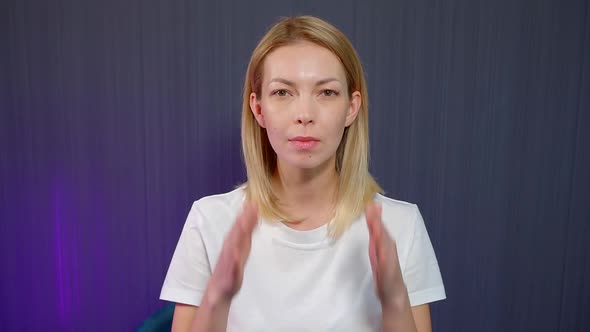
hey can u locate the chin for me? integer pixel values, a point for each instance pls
(306, 161)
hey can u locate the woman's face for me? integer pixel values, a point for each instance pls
(304, 104)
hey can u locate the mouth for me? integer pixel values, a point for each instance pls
(304, 142)
(304, 139)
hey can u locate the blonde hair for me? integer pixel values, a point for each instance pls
(356, 186)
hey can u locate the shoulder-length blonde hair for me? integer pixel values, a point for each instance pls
(356, 186)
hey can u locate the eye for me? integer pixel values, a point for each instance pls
(329, 93)
(280, 93)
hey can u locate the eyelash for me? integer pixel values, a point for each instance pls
(276, 92)
(329, 91)
(332, 93)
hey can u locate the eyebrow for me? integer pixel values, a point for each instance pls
(320, 82)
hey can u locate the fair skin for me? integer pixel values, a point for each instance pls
(305, 96)
(304, 106)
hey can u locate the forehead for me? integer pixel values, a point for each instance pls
(302, 61)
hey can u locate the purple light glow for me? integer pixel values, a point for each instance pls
(66, 259)
(58, 246)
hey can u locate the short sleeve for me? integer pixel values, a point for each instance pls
(190, 269)
(421, 272)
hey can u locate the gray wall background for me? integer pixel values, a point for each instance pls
(115, 115)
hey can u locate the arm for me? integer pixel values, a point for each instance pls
(204, 318)
(184, 314)
(211, 315)
(397, 314)
(224, 283)
(406, 318)
(421, 315)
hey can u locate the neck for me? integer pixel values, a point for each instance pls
(308, 195)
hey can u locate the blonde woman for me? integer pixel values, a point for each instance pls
(308, 243)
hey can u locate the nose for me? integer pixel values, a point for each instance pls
(305, 112)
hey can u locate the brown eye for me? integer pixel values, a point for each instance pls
(329, 93)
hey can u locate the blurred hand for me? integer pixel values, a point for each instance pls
(389, 283)
(227, 276)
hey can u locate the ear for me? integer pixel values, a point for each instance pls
(353, 108)
(256, 109)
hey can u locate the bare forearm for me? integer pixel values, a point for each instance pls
(397, 316)
(211, 316)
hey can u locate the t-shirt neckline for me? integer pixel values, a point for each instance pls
(308, 239)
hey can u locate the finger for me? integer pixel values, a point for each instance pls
(240, 227)
(233, 241)
(372, 223)
(247, 220)
(226, 260)
(376, 228)
(233, 273)
(251, 217)
(386, 245)
(370, 217)
(381, 240)
(371, 211)
(378, 224)
(373, 257)
(370, 214)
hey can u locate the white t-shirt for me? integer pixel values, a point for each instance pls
(301, 280)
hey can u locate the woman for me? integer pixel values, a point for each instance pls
(292, 250)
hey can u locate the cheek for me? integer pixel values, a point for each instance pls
(337, 134)
(272, 122)
(273, 132)
(336, 119)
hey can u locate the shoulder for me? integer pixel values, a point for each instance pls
(214, 203)
(396, 211)
(399, 218)
(217, 211)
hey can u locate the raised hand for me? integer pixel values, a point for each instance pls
(389, 283)
(227, 276)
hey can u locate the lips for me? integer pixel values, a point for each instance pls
(304, 139)
(304, 142)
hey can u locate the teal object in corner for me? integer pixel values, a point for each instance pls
(159, 321)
